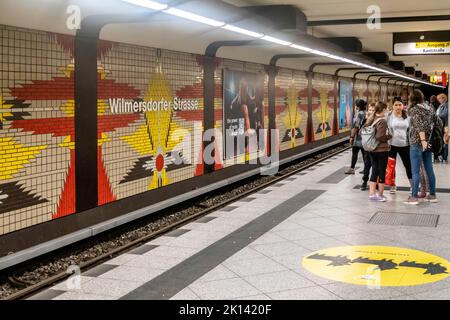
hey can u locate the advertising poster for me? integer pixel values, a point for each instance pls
(345, 104)
(243, 111)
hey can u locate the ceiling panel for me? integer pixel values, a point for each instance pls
(374, 39)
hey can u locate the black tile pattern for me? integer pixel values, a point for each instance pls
(176, 233)
(278, 184)
(205, 219)
(143, 249)
(47, 295)
(228, 208)
(14, 196)
(336, 177)
(140, 169)
(99, 270)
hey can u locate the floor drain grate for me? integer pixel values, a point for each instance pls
(405, 219)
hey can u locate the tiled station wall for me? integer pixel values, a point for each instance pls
(36, 129)
(323, 106)
(135, 151)
(291, 105)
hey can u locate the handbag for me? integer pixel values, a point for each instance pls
(390, 172)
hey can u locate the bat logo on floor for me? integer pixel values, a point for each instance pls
(382, 264)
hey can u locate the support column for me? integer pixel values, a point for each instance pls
(272, 73)
(209, 68)
(86, 123)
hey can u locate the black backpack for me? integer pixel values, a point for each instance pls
(436, 140)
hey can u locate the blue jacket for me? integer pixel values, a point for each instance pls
(442, 113)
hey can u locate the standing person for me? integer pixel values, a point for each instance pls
(442, 110)
(422, 120)
(379, 156)
(434, 102)
(398, 123)
(446, 140)
(355, 137)
(367, 162)
(442, 113)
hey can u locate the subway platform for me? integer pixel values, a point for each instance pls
(314, 236)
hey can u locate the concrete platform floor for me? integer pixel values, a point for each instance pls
(254, 248)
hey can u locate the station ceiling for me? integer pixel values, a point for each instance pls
(177, 34)
(373, 40)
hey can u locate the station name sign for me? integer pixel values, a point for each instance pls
(135, 106)
(421, 43)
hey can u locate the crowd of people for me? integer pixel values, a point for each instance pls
(416, 131)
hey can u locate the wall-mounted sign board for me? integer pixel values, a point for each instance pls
(421, 43)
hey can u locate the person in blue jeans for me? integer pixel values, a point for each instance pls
(442, 113)
(446, 140)
(422, 119)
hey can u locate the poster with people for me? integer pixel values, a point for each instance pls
(345, 104)
(243, 112)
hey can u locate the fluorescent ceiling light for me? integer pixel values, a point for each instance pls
(296, 46)
(332, 56)
(243, 31)
(277, 41)
(194, 17)
(214, 23)
(148, 4)
(320, 53)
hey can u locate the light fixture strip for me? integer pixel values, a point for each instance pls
(148, 4)
(276, 40)
(214, 23)
(193, 17)
(246, 32)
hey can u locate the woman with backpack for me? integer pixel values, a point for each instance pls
(367, 162)
(423, 120)
(355, 138)
(398, 123)
(379, 154)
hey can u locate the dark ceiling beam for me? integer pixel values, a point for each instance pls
(382, 20)
(376, 75)
(336, 73)
(383, 78)
(373, 73)
(274, 60)
(348, 44)
(285, 17)
(378, 57)
(397, 65)
(410, 71)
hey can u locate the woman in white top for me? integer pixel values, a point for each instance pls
(398, 123)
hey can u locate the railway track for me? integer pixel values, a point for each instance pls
(21, 288)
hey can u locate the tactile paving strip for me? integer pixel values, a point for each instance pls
(405, 219)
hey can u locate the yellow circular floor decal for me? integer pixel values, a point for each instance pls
(377, 266)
